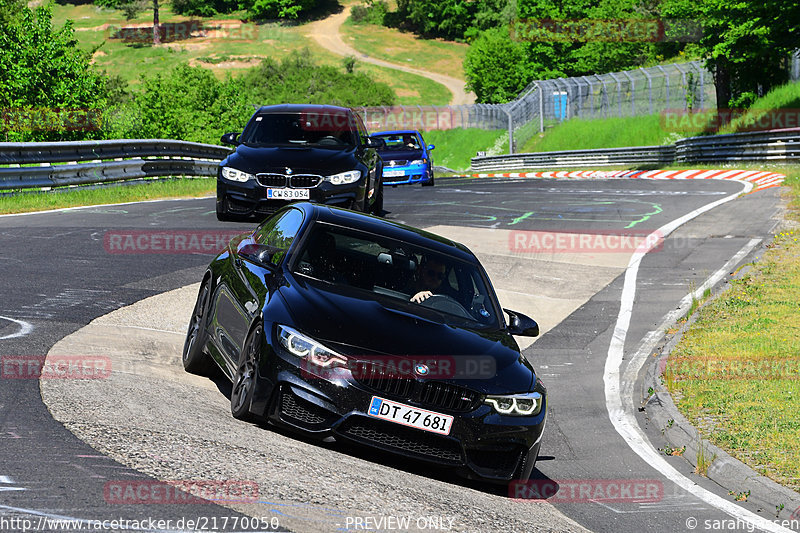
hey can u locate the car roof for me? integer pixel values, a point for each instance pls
(395, 132)
(388, 228)
(300, 108)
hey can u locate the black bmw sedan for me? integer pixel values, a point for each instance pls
(293, 152)
(347, 326)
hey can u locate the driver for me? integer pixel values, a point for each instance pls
(429, 276)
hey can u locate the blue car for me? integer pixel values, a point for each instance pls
(406, 157)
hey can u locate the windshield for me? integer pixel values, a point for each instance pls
(396, 273)
(400, 141)
(329, 128)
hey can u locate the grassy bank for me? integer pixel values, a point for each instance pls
(581, 134)
(389, 44)
(75, 197)
(736, 372)
(455, 148)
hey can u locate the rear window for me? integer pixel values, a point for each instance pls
(329, 128)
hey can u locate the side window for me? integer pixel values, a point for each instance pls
(280, 232)
(362, 129)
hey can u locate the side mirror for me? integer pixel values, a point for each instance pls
(374, 142)
(259, 253)
(230, 138)
(519, 324)
(431, 146)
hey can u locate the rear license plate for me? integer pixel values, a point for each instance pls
(410, 416)
(288, 194)
(393, 173)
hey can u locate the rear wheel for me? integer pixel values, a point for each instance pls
(244, 382)
(195, 360)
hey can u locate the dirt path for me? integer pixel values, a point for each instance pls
(326, 33)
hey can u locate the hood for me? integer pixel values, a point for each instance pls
(354, 324)
(390, 155)
(301, 159)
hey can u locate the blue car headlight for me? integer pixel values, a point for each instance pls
(529, 404)
(419, 162)
(230, 173)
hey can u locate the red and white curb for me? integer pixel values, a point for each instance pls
(760, 180)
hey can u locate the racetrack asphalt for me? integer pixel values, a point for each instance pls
(65, 278)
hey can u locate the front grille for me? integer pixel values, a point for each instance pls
(409, 441)
(397, 163)
(299, 409)
(449, 397)
(378, 377)
(304, 181)
(297, 181)
(271, 180)
(431, 394)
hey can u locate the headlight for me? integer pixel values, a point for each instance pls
(236, 175)
(308, 349)
(529, 404)
(418, 162)
(342, 178)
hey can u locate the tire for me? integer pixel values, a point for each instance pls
(377, 205)
(195, 360)
(222, 212)
(245, 379)
(428, 183)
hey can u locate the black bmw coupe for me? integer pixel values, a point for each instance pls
(347, 326)
(293, 152)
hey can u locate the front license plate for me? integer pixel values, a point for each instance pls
(410, 416)
(393, 173)
(288, 194)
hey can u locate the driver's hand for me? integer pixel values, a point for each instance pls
(421, 296)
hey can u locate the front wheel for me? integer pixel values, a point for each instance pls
(377, 205)
(195, 360)
(430, 181)
(244, 382)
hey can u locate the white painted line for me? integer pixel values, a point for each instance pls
(24, 328)
(65, 209)
(622, 417)
(6, 479)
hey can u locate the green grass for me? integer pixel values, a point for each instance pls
(784, 97)
(455, 148)
(40, 201)
(440, 56)
(752, 414)
(581, 134)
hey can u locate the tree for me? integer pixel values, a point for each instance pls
(746, 43)
(496, 67)
(47, 80)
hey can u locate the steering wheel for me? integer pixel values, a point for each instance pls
(446, 304)
(329, 139)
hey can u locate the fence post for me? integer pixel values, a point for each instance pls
(619, 92)
(541, 107)
(666, 79)
(649, 90)
(633, 93)
(685, 87)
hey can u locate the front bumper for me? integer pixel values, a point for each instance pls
(481, 445)
(250, 198)
(406, 174)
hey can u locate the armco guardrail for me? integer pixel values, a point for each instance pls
(90, 162)
(578, 158)
(773, 145)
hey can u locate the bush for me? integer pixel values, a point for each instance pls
(272, 9)
(199, 8)
(372, 12)
(48, 86)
